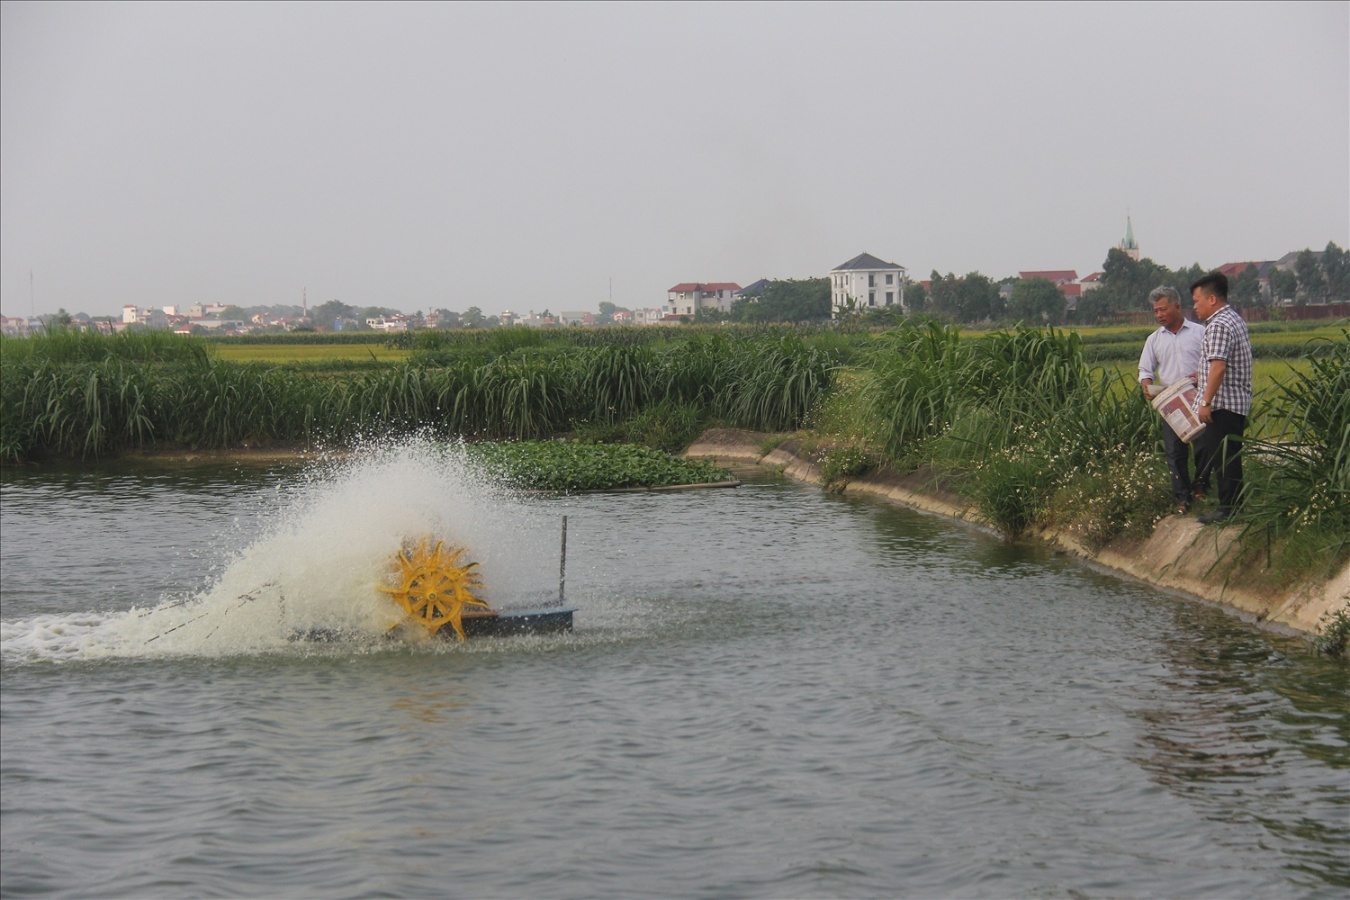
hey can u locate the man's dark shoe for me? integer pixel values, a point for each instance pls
(1219, 515)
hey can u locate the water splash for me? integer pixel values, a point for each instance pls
(321, 552)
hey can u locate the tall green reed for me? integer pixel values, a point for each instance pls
(1297, 494)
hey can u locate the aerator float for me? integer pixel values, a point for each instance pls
(437, 587)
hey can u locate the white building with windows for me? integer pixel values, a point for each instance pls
(150, 318)
(688, 297)
(865, 282)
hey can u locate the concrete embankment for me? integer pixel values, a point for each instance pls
(1181, 555)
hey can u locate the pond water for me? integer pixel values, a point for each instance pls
(770, 691)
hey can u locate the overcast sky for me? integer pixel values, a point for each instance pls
(520, 156)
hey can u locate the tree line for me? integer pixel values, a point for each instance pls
(1316, 277)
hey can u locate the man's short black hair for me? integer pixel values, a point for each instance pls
(1215, 284)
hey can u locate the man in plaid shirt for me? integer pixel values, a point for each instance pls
(1225, 393)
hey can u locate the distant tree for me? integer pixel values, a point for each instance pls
(472, 318)
(786, 300)
(448, 319)
(1119, 268)
(1312, 284)
(1036, 300)
(235, 313)
(1245, 288)
(1125, 285)
(971, 298)
(980, 299)
(1283, 285)
(942, 299)
(1182, 279)
(1093, 306)
(1336, 270)
(916, 298)
(325, 314)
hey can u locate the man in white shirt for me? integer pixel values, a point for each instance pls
(1172, 354)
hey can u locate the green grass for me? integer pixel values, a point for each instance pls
(1297, 488)
(95, 403)
(308, 353)
(64, 346)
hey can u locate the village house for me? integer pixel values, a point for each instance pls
(16, 326)
(149, 318)
(688, 297)
(399, 322)
(754, 290)
(538, 320)
(865, 282)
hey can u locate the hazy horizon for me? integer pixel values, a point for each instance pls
(520, 156)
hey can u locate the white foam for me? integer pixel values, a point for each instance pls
(318, 560)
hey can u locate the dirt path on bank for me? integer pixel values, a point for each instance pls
(1180, 555)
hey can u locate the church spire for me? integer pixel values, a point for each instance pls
(1129, 245)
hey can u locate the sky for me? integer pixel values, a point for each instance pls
(532, 156)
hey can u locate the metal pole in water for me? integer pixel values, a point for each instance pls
(562, 566)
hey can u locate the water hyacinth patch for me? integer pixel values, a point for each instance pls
(570, 466)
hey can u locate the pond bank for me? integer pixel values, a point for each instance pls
(1180, 555)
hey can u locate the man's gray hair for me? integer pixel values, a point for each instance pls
(1159, 292)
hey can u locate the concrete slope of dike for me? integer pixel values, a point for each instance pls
(1180, 555)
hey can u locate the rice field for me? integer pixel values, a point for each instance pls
(1267, 377)
(308, 353)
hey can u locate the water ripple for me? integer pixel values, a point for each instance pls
(769, 693)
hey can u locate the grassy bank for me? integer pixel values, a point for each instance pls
(1028, 423)
(1032, 435)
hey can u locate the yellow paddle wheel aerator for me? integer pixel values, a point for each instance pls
(434, 587)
